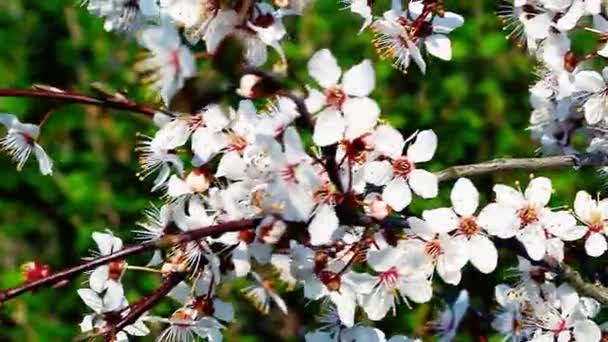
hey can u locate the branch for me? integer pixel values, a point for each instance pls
(168, 240)
(74, 97)
(574, 278)
(565, 271)
(584, 159)
(140, 308)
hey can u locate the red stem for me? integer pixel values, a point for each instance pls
(68, 273)
(73, 97)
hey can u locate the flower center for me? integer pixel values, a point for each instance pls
(596, 222)
(402, 167)
(389, 277)
(528, 214)
(468, 226)
(356, 150)
(433, 248)
(335, 97)
(288, 173)
(204, 305)
(195, 122)
(237, 143)
(116, 269)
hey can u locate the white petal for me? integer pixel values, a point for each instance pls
(439, 46)
(315, 100)
(388, 141)
(231, 166)
(91, 299)
(424, 183)
(595, 245)
(361, 114)
(378, 172)
(533, 239)
(464, 197)
(323, 225)
(107, 243)
(507, 196)
(329, 128)
(539, 190)
(419, 291)
(583, 205)
(448, 22)
(345, 305)
(360, 79)
(589, 81)
(223, 311)
(176, 187)
(587, 330)
(569, 20)
(483, 254)
(397, 194)
(294, 149)
(324, 68)
(98, 278)
(595, 108)
(499, 220)
(423, 149)
(45, 164)
(441, 220)
(114, 296)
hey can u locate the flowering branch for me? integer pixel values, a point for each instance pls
(140, 308)
(68, 273)
(585, 159)
(116, 102)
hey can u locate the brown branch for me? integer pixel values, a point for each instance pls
(74, 97)
(574, 278)
(168, 240)
(140, 308)
(504, 164)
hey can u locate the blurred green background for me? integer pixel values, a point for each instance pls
(477, 104)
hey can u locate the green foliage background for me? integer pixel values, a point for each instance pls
(477, 104)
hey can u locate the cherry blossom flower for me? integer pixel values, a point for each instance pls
(170, 62)
(399, 275)
(107, 277)
(398, 172)
(594, 215)
(539, 229)
(21, 140)
(469, 228)
(345, 109)
(401, 34)
(446, 253)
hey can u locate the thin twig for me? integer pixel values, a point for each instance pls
(168, 240)
(74, 97)
(504, 164)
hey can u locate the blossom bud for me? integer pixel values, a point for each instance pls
(198, 180)
(249, 86)
(35, 270)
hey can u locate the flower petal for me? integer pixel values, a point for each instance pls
(424, 183)
(423, 149)
(397, 194)
(360, 79)
(539, 190)
(324, 68)
(595, 245)
(361, 114)
(329, 128)
(464, 197)
(483, 254)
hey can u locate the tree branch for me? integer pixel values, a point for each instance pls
(503, 164)
(74, 97)
(168, 240)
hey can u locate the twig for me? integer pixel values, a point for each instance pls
(140, 308)
(574, 278)
(503, 164)
(74, 97)
(168, 240)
